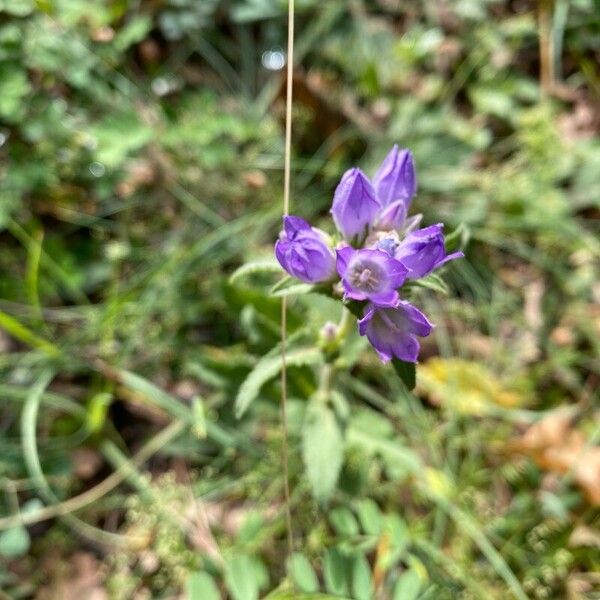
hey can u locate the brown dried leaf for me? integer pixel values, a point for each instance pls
(556, 446)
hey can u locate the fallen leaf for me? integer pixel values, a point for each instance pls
(465, 386)
(555, 445)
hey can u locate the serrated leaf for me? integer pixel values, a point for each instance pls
(406, 371)
(267, 368)
(264, 265)
(322, 450)
(302, 573)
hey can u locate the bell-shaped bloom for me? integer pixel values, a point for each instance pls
(393, 331)
(423, 251)
(370, 274)
(355, 206)
(303, 252)
(396, 182)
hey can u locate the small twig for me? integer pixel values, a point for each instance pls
(547, 77)
(286, 209)
(100, 490)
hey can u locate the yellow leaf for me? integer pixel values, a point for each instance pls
(464, 386)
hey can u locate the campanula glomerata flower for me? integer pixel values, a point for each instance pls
(370, 274)
(423, 251)
(385, 250)
(393, 331)
(359, 205)
(303, 252)
(395, 184)
(355, 206)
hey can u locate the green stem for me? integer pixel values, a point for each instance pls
(325, 379)
(344, 326)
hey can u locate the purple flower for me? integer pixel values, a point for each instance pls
(303, 252)
(423, 251)
(393, 331)
(395, 185)
(369, 274)
(392, 217)
(355, 205)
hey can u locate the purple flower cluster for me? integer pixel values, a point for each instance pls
(380, 250)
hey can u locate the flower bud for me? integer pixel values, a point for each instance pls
(396, 179)
(355, 205)
(303, 252)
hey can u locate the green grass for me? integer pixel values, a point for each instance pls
(140, 421)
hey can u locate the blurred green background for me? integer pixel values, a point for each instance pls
(141, 146)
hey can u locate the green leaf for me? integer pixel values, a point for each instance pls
(458, 239)
(370, 516)
(25, 335)
(255, 10)
(408, 586)
(15, 86)
(22, 8)
(302, 573)
(406, 371)
(397, 533)
(432, 282)
(113, 146)
(198, 418)
(267, 368)
(264, 265)
(290, 286)
(491, 100)
(97, 410)
(201, 586)
(241, 578)
(154, 394)
(14, 542)
(291, 595)
(133, 32)
(362, 583)
(322, 450)
(400, 461)
(343, 521)
(335, 571)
